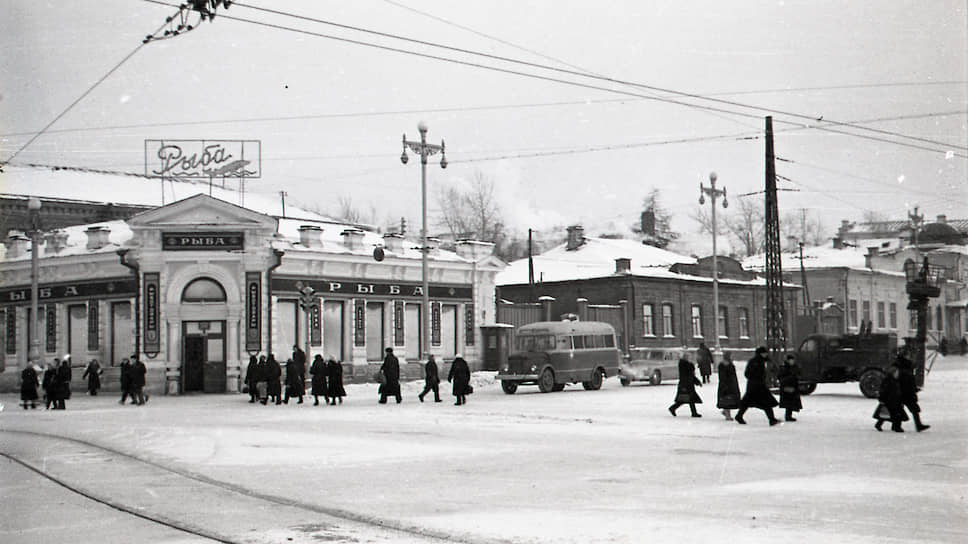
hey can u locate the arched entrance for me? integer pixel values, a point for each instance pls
(203, 343)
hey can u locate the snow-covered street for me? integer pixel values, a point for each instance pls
(575, 466)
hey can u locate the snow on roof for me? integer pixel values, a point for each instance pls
(594, 259)
(332, 241)
(817, 257)
(133, 189)
(76, 243)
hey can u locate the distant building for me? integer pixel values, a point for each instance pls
(200, 284)
(665, 299)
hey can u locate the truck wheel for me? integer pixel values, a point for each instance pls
(656, 377)
(870, 383)
(807, 388)
(595, 383)
(509, 387)
(546, 381)
(625, 382)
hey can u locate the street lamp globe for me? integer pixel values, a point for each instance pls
(421, 126)
(712, 176)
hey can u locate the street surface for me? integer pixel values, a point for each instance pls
(570, 467)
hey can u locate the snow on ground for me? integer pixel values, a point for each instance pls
(576, 466)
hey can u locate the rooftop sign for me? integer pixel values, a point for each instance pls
(203, 159)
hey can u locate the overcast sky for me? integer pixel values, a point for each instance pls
(330, 114)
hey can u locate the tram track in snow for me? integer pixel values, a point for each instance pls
(368, 521)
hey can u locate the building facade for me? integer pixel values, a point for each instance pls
(198, 286)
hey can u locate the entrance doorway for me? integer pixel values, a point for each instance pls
(203, 356)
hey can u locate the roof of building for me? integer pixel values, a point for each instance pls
(821, 257)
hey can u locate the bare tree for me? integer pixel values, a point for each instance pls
(472, 212)
(352, 214)
(655, 224)
(805, 227)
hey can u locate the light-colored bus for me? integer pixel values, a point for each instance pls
(551, 354)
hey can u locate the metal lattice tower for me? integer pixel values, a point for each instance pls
(775, 329)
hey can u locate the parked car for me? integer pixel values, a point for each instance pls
(650, 365)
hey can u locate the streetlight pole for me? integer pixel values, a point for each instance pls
(425, 150)
(33, 207)
(713, 194)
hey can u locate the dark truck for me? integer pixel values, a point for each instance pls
(863, 358)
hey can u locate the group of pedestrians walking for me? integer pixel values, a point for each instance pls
(459, 376)
(263, 379)
(133, 381)
(898, 391)
(728, 397)
(54, 379)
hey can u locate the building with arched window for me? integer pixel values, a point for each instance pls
(196, 286)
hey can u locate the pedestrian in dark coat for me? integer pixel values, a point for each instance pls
(126, 381)
(391, 377)
(460, 375)
(889, 406)
(334, 375)
(705, 359)
(93, 375)
(431, 380)
(318, 384)
(686, 390)
(62, 383)
(28, 387)
(789, 378)
(139, 373)
(50, 373)
(275, 380)
(296, 379)
(250, 374)
(728, 394)
(909, 391)
(262, 379)
(757, 392)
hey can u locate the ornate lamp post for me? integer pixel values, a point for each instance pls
(713, 194)
(424, 150)
(33, 207)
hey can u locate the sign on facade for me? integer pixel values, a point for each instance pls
(202, 241)
(203, 159)
(253, 311)
(152, 338)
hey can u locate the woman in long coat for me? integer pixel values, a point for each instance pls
(686, 390)
(391, 377)
(789, 378)
(757, 392)
(704, 358)
(318, 384)
(50, 376)
(295, 379)
(728, 395)
(275, 377)
(28, 387)
(334, 374)
(252, 378)
(93, 375)
(62, 383)
(889, 406)
(460, 375)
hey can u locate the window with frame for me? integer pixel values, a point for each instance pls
(696, 321)
(892, 314)
(867, 311)
(744, 323)
(203, 290)
(648, 323)
(939, 323)
(667, 321)
(723, 322)
(881, 317)
(852, 313)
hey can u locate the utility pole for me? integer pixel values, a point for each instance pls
(775, 326)
(713, 194)
(916, 221)
(530, 269)
(283, 195)
(425, 150)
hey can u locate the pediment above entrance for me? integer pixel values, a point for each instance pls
(202, 212)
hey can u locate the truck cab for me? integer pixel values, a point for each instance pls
(829, 358)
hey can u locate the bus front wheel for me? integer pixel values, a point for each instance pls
(509, 387)
(546, 382)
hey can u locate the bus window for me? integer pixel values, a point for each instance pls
(564, 343)
(541, 342)
(579, 342)
(609, 341)
(594, 341)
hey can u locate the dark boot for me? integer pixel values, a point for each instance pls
(879, 425)
(739, 416)
(315, 401)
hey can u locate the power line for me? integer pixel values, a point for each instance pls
(571, 72)
(85, 93)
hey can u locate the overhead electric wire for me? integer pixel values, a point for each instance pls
(83, 95)
(570, 72)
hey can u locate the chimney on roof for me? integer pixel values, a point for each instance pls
(871, 253)
(838, 242)
(943, 219)
(393, 241)
(55, 241)
(546, 303)
(576, 237)
(97, 237)
(623, 265)
(17, 245)
(309, 236)
(433, 244)
(352, 239)
(474, 250)
(648, 222)
(582, 304)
